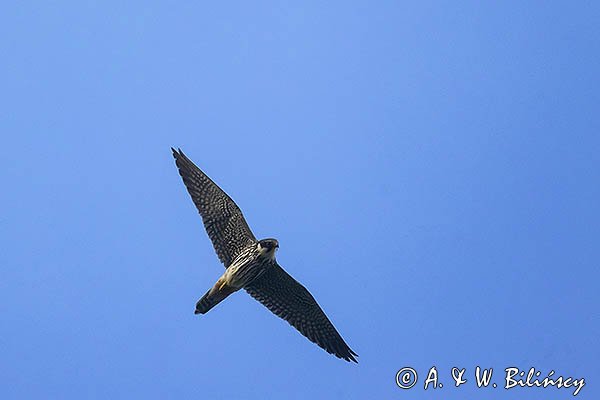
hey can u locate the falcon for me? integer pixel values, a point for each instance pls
(250, 264)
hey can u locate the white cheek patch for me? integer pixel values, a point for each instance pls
(265, 252)
(262, 250)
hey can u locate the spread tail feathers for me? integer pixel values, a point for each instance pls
(213, 297)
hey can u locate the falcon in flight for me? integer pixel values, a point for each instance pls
(250, 264)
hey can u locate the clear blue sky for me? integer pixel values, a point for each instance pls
(431, 171)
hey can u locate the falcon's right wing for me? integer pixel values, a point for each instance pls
(223, 220)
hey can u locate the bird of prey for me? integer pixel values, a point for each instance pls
(250, 264)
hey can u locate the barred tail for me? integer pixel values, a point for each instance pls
(213, 297)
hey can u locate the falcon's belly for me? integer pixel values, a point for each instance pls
(248, 266)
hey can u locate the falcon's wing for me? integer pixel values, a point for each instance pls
(288, 299)
(223, 220)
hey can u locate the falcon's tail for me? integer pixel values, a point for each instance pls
(214, 296)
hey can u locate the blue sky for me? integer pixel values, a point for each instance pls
(431, 171)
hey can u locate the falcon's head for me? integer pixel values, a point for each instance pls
(267, 247)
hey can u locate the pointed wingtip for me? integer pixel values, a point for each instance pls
(351, 357)
(178, 154)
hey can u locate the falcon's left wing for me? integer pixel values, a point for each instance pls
(288, 299)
